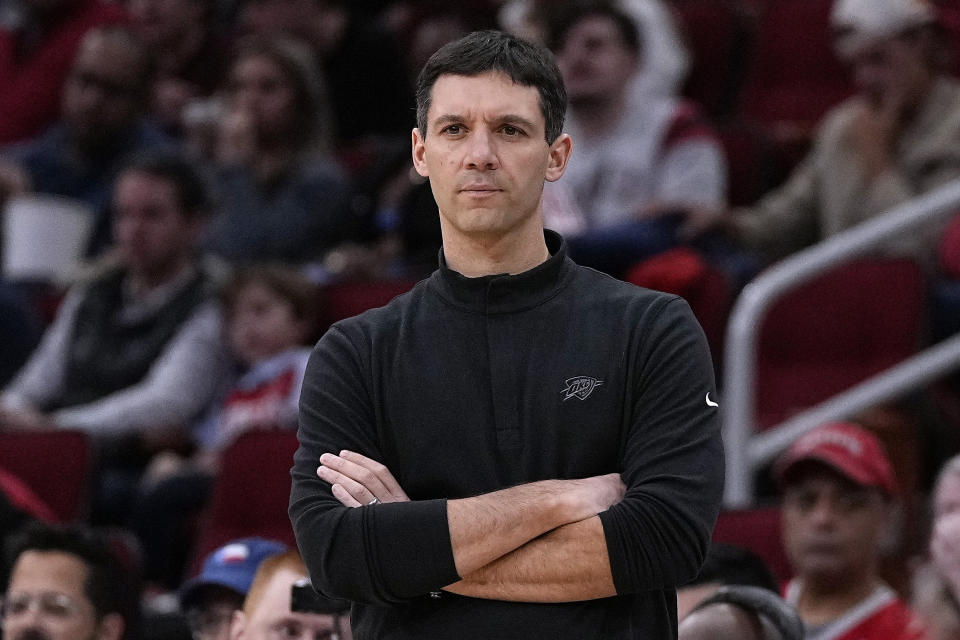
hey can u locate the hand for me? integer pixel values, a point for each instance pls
(590, 496)
(357, 479)
(25, 419)
(945, 549)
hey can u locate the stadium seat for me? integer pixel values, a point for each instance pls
(345, 299)
(55, 465)
(836, 331)
(759, 531)
(251, 492)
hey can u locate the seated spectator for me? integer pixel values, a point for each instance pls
(270, 315)
(742, 613)
(896, 139)
(633, 152)
(66, 583)
(191, 59)
(838, 494)
(137, 345)
(37, 48)
(210, 599)
(725, 564)
(281, 598)
(936, 587)
(100, 127)
(283, 198)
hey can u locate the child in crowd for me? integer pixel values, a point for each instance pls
(270, 312)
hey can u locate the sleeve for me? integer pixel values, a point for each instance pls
(657, 536)
(178, 386)
(41, 378)
(379, 555)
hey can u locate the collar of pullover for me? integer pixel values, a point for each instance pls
(505, 293)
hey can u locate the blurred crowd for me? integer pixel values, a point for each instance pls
(233, 160)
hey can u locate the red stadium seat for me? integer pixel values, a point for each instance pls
(759, 531)
(55, 465)
(345, 299)
(251, 492)
(836, 331)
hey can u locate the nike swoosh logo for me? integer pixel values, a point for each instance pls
(711, 403)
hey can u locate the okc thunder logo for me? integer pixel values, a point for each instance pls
(580, 387)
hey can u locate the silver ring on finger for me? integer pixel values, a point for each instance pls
(373, 502)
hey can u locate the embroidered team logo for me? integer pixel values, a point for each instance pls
(580, 387)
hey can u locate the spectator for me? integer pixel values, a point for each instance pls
(101, 125)
(37, 48)
(283, 197)
(896, 139)
(634, 152)
(724, 565)
(839, 490)
(281, 598)
(937, 583)
(191, 59)
(270, 315)
(67, 584)
(137, 346)
(210, 599)
(742, 613)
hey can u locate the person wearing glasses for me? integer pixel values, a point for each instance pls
(66, 584)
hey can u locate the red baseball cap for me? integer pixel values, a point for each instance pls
(848, 449)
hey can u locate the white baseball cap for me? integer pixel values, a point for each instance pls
(859, 23)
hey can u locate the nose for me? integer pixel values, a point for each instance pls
(481, 151)
(823, 513)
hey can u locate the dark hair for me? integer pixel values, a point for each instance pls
(560, 23)
(480, 52)
(192, 193)
(779, 614)
(730, 564)
(108, 587)
(289, 285)
(145, 58)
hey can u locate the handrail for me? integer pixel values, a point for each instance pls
(746, 450)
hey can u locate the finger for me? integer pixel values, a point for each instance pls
(344, 496)
(357, 473)
(379, 470)
(359, 492)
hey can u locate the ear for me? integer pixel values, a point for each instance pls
(560, 152)
(419, 150)
(110, 627)
(238, 625)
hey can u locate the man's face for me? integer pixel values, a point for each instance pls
(595, 61)
(101, 95)
(486, 156)
(831, 526)
(273, 620)
(209, 618)
(153, 235)
(894, 69)
(259, 88)
(46, 599)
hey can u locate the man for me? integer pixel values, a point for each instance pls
(282, 604)
(896, 139)
(210, 598)
(635, 151)
(136, 347)
(101, 125)
(65, 584)
(36, 51)
(838, 489)
(512, 397)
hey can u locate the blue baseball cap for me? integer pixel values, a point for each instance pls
(232, 566)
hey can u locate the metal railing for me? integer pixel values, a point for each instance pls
(746, 449)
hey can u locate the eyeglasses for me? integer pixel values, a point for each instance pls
(51, 604)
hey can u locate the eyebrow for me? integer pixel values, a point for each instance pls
(510, 118)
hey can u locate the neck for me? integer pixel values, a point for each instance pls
(489, 254)
(144, 281)
(600, 115)
(822, 600)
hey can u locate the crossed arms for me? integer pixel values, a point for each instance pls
(537, 542)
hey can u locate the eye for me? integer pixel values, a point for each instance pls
(452, 129)
(511, 131)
